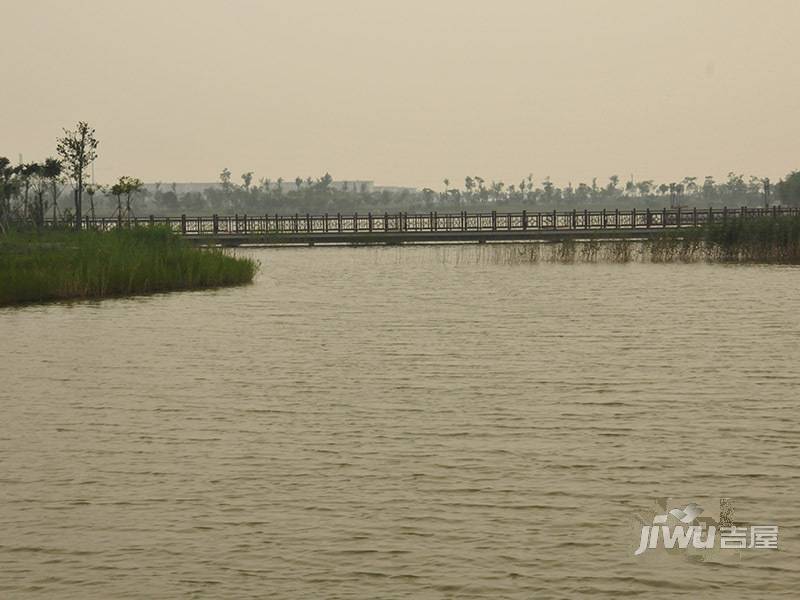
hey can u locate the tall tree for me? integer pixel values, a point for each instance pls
(225, 180)
(40, 184)
(117, 190)
(127, 186)
(51, 170)
(5, 189)
(91, 190)
(78, 150)
(789, 189)
(27, 173)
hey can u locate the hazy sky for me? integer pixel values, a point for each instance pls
(407, 92)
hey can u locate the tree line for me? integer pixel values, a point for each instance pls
(30, 192)
(319, 195)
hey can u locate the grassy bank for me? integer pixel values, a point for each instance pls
(60, 265)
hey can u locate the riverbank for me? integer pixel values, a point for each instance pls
(66, 265)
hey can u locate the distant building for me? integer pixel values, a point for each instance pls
(395, 189)
(288, 185)
(179, 188)
(354, 186)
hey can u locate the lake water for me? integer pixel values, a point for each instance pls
(420, 422)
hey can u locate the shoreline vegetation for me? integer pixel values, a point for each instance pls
(41, 263)
(43, 266)
(36, 192)
(50, 265)
(760, 240)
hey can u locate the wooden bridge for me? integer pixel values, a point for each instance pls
(399, 228)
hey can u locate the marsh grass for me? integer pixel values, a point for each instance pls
(61, 265)
(565, 252)
(750, 240)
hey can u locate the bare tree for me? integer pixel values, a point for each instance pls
(77, 149)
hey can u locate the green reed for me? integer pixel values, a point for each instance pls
(60, 265)
(748, 240)
(752, 239)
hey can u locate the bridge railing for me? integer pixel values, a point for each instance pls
(432, 222)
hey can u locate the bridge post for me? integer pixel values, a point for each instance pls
(605, 222)
(463, 220)
(385, 222)
(339, 221)
(694, 217)
(616, 218)
(494, 220)
(308, 223)
(633, 219)
(585, 219)
(679, 217)
(574, 220)
(524, 220)
(355, 222)
(647, 219)
(663, 217)
(325, 226)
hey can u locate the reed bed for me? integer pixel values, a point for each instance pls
(752, 240)
(62, 265)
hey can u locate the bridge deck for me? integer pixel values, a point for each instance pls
(432, 227)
